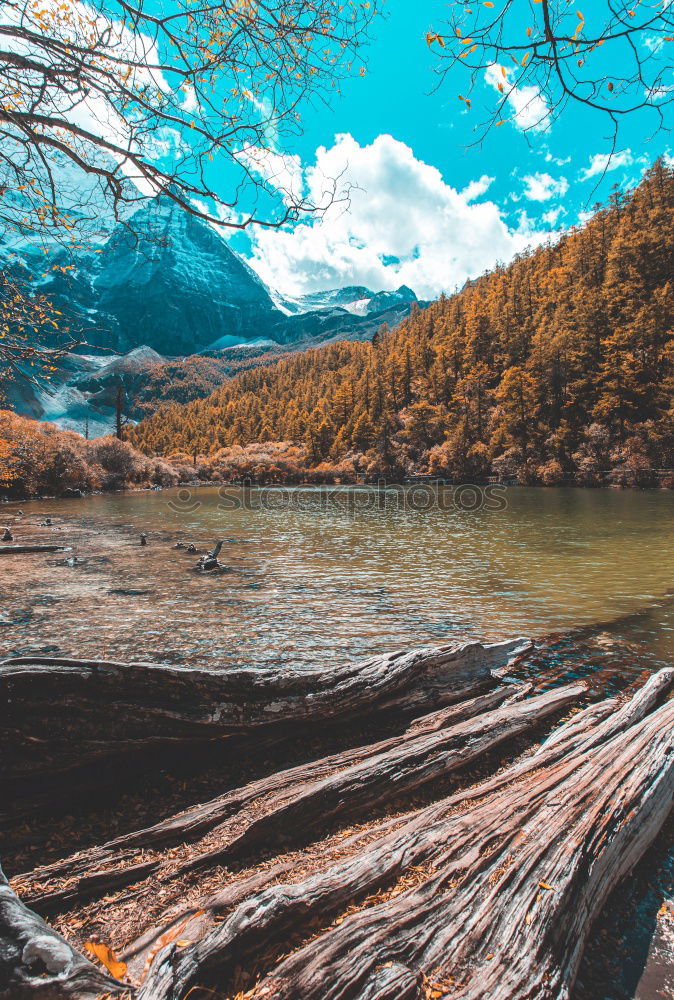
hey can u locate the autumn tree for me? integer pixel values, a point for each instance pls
(33, 338)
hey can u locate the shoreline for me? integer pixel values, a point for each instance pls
(378, 484)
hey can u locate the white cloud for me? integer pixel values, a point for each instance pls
(551, 217)
(189, 102)
(475, 189)
(652, 42)
(659, 93)
(529, 110)
(602, 163)
(559, 161)
(404, 225)
(543, 187)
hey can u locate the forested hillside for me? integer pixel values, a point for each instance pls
(556, 367)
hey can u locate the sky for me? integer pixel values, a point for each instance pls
(431, 208)
(430, 205)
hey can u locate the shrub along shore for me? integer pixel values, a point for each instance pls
(38, 459)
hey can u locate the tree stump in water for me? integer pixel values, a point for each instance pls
(210, 562)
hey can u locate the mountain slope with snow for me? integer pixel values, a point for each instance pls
(165, 284)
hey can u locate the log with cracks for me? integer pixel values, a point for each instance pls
(363, 874)
(59, 713)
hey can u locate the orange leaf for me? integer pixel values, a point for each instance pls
(544, 885)
(170, 935)
(107, 957)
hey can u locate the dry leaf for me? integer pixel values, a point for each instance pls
(107, 957)
(168, 937)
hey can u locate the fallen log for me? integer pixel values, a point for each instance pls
(305, 798)
(384, 776)
(36, 963)
(490, 894)
(6, 550)
(58, 712)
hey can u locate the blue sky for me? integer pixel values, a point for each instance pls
(433, 208)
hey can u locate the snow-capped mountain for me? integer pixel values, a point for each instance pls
(165, 284)
(170, 281)
(356, 299)
(165, 280)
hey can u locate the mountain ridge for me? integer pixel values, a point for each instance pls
(168, 280)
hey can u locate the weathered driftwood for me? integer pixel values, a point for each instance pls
(210, 561)
(302, 799)
(488, 894)
(7, 550)
(36, 963)
(58, 712)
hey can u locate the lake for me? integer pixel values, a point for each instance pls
(319, 575)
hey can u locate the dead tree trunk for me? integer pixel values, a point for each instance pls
(59, 712)
(301, 800)
(489, 895)
(488, 892)
(36, 963)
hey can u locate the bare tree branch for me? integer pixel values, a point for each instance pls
(542, 56)
(122, 100)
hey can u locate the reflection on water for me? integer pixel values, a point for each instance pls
(311, 582)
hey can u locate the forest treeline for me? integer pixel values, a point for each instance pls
(558, 367)
(42, 460)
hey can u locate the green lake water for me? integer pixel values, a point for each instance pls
(322, 575)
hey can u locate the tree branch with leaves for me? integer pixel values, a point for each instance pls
(105, 105)
(214, 86)
(544, 56)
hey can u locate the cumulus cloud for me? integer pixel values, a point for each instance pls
(551, 217)
(404, 225)
(543, 187)
(477, 188)
(529, 110)
(652, 42)
(602, 163)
